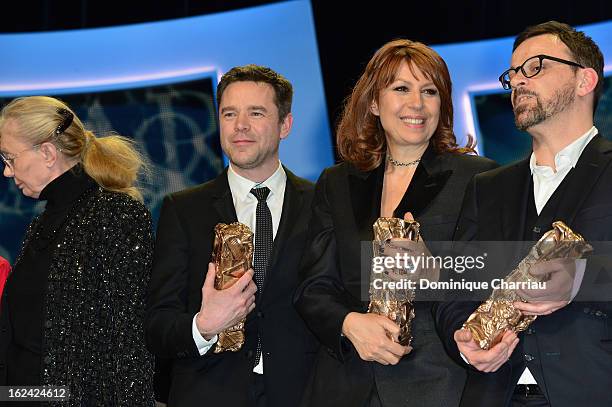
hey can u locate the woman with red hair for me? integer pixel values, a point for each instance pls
(400, 159)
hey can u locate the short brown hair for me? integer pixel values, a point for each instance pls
(283, 91)
(581, 46)
(360, 136)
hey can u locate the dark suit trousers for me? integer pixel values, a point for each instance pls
(374, 399)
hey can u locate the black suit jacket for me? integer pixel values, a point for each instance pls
(184, 244)
(346, 204)
(570, 351)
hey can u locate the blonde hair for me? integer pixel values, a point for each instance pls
(112, 161)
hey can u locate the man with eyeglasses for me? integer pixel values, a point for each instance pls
(565, 357)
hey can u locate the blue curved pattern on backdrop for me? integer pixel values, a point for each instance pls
(156, 83)
(175, 126)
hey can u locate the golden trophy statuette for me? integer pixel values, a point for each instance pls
(232, 255)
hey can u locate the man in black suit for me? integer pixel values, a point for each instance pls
(186, 313)
(556, 80)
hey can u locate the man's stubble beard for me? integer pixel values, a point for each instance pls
(537, 114)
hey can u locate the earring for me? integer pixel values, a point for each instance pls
(374, 108)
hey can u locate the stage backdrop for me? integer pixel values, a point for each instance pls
(482, 107)
(500, 139)
(156, 83)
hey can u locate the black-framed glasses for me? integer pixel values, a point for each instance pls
(530, 68)
(9, 159)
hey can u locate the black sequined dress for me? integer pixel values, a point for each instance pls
(73, 309)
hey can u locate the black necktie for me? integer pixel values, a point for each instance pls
(263, 236)
(263, 244)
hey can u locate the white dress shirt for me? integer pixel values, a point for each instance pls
(245, 205)
(545, 182)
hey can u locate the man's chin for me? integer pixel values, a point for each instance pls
(30, 194)
(522, 123)
(524, 119)
(245, 164)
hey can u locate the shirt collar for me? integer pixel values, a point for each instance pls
(568, 156)
(241, 187)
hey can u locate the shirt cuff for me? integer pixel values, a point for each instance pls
(464, 358)
(202, 344)
(580, 269)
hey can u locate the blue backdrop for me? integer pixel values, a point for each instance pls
(155, 82)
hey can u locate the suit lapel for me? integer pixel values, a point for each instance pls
(514, 190)
(428, 180)
(581, 180)
(365, 192)
(222, 199)
(292, 206)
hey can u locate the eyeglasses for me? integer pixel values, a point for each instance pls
(67, 118)
(530, 68)
(9, 159)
